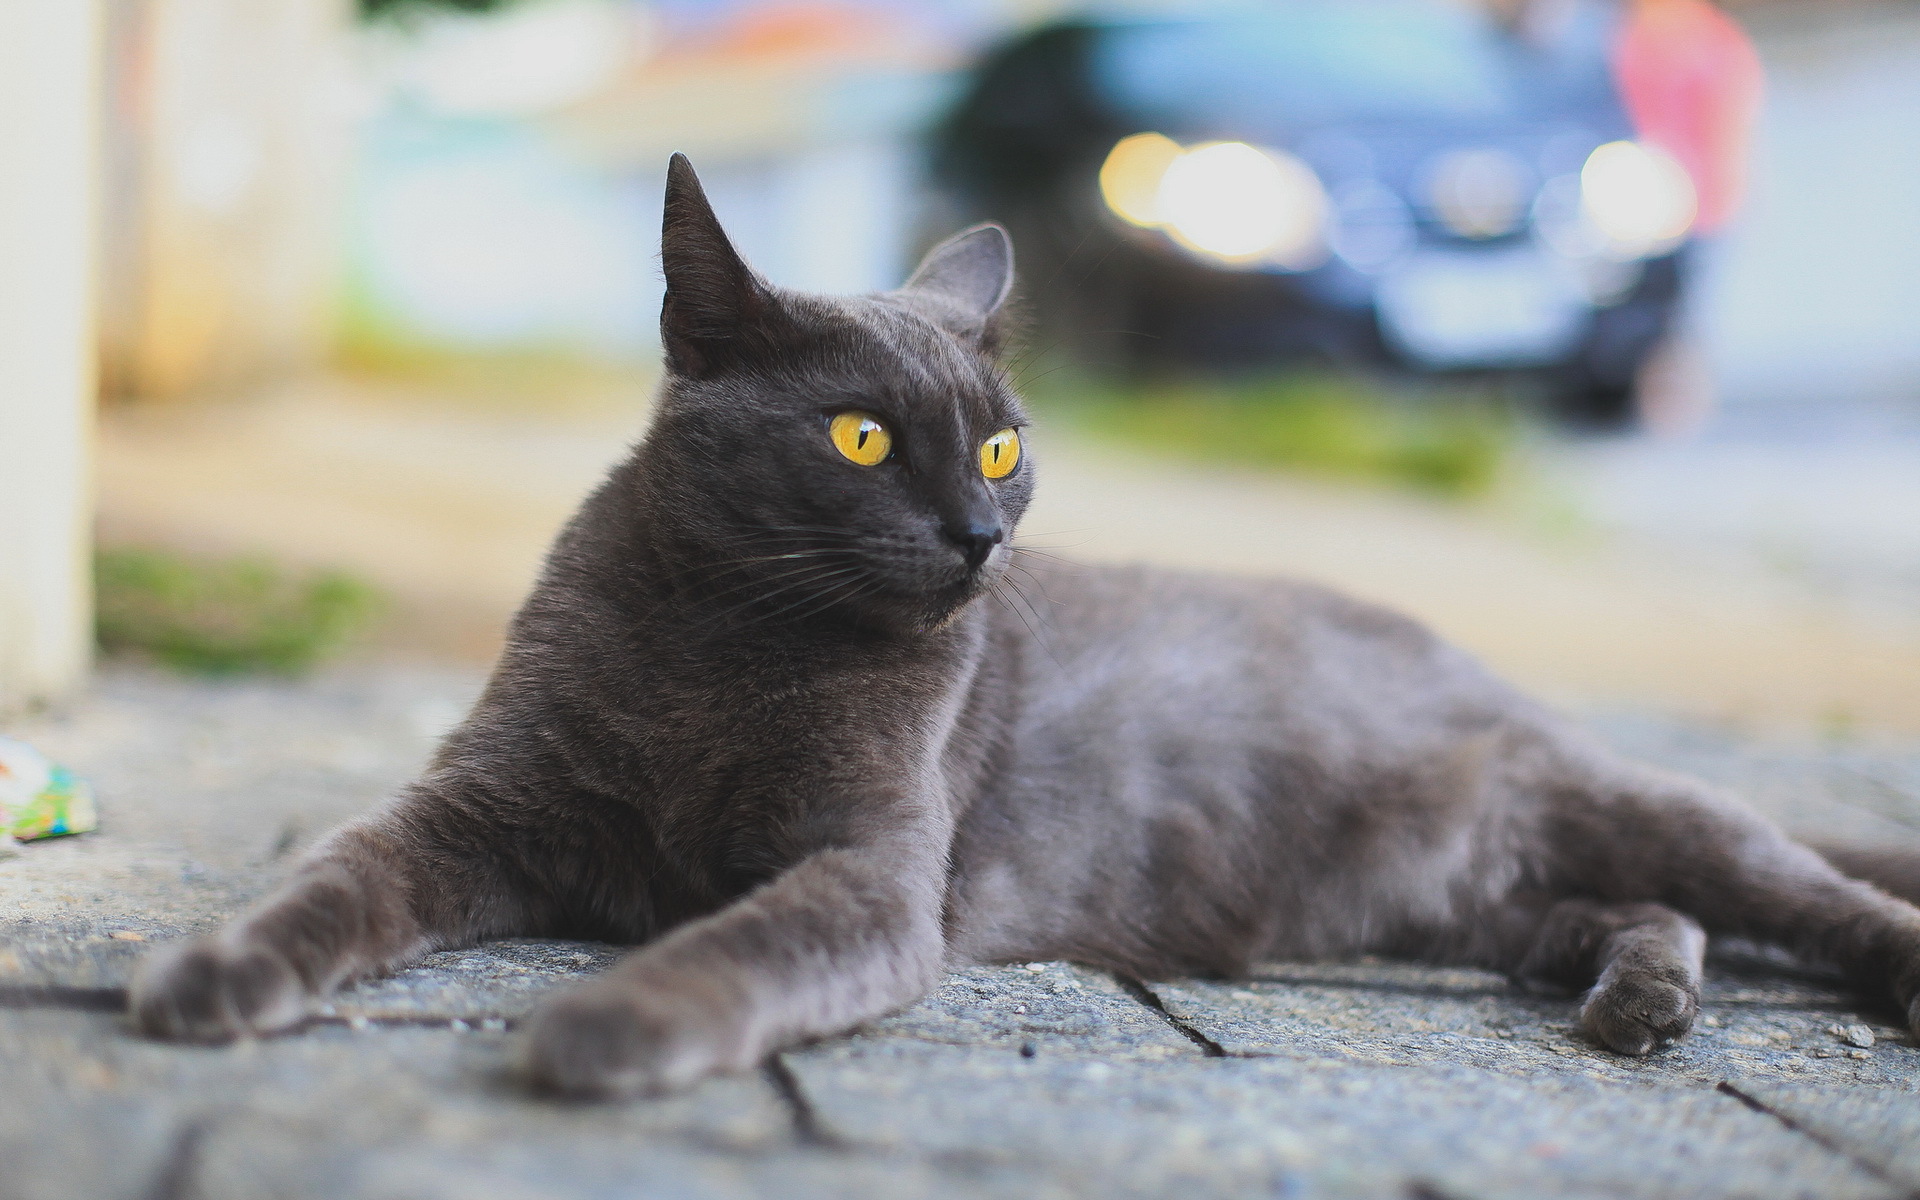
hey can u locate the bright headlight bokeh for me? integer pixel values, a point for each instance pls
(1639, 198)
(1130, 178)
(1232, 201)
(1226, 200)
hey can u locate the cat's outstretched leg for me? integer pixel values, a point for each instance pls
(374, 896)
(1625, 834)
(841, 937)
(1643, 961)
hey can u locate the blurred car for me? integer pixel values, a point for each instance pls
(1414, 182)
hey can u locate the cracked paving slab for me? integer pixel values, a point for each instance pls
(1237, 1127)
(324, 1107)
(1879, 1127)
(337, 1112)
(1030, 1080)
(1782, 1031)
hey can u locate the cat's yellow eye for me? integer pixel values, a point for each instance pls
(1000, 454)
(861, 437)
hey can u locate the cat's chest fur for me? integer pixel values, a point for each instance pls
(717, 754)
(817, 728)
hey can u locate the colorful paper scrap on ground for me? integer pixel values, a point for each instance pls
(40, 798)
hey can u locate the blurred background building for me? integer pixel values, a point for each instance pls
(377, 292)
(484, 174)
(227, 151)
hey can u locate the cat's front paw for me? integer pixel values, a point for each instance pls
(608, 1041)
(207, 990)
(1637, 1012)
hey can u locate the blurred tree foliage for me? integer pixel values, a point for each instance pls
(370, 9)
(223, 617)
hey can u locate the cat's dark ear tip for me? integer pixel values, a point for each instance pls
(680, 176)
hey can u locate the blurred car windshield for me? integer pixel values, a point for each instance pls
(1288, 64)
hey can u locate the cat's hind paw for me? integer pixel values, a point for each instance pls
(1638, 1012)
(606, 1042)
(205, 990)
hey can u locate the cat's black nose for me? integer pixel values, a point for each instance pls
(976, 540)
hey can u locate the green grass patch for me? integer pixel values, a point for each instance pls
(223, 617)
(1447, 443)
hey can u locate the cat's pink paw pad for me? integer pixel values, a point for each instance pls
(205, 991)
(1639, 1013)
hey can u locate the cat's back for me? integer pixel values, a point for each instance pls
(1153, 645)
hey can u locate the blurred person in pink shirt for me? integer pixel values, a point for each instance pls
(1690, 80)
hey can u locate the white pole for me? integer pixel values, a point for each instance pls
(49, 113)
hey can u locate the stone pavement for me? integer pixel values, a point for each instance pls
(1034, 1080)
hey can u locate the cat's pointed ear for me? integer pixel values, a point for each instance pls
(967, 278)
(713, 298)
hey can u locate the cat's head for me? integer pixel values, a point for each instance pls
(834, 458)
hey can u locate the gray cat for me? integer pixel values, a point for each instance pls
(775, 713)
